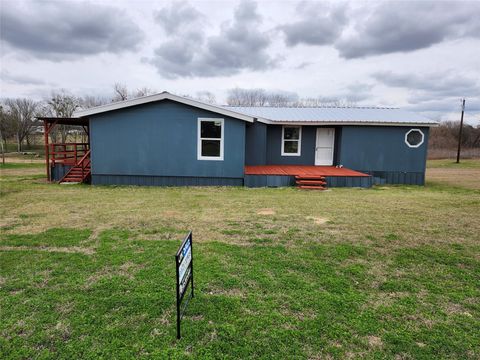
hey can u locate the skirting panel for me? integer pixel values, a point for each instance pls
(332, 181)
(349, 181)
(142, 180)
(269, 180)
(58, 171)
(397, 177)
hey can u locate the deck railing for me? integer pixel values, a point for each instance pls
(67, 153)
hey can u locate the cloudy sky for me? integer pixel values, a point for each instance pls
(419, 55)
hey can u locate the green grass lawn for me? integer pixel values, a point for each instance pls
(88, 272)
(452, 164)
(35, 165)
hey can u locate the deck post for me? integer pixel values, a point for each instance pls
(47, 157)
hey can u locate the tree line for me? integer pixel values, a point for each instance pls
(18, 116)
(445, 135)
(262, 97)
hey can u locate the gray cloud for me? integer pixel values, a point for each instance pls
(449, 109)
(177, 16)
(404, 26)
(318, 24)
(65, 30)
(240, 46)
(19, 79)
(431, 85)
(437, 94)
(357, 92)
(383, 27)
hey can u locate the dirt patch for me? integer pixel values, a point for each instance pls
(65, 308)
(68, 250)
(61, 329)
(374, 341)
(126, 270)
(227, 292)
(317, 220)
(266, 212)
(164, 320)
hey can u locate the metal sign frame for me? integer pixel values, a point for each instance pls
(184, 276)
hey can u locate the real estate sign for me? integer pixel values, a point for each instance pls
(184, 271)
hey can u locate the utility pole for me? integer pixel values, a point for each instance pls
(460, 133)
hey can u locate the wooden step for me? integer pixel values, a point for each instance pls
(306, 177)
(311, 182)
(310, 187)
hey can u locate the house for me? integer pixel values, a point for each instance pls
(169, 140)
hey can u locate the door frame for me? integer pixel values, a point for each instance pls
(316, 145)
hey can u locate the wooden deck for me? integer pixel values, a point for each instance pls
(301, 170)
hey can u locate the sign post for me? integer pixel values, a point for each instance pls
(184, 270)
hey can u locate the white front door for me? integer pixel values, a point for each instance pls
(324, 146)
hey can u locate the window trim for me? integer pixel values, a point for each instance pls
(419, 144)
(299, 153)
(199, 139)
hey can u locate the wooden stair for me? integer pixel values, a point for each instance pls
(80, 172)
(311, 182)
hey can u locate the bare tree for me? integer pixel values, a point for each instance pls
(280, 98)
(7, 127)
(21, 114)
(120, 92)
(5, 131)
(261, 97)
(144, 91)
(247, 97)
(206, 96)
(89, 101)
(62, 105)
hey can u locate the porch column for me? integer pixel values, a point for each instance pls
(47, 157)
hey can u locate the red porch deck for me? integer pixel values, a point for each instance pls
(301, 170)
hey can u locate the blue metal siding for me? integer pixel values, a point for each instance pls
(256, 144)
(58, 171)
(349, 181)
(269, 180)
(160, 139)
(274, 147)
(164, 180)
(332, 181)
(397, 177)
(376, 148)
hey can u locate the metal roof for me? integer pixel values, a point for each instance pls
(334, 115)
(283, 115)
(159, 97)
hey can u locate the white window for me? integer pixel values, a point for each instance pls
(210, 139)
(414, 138)
(291, 140)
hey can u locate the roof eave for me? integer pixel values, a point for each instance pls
(158, 97)
(351, 123)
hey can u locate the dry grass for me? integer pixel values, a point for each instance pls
(340, 273)
(469, 178)
(403, 215)
(465, 174)
(66, 250)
